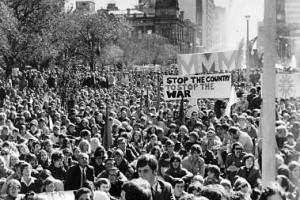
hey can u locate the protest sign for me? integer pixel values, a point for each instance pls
(287, 84)
(209, 62)
(197, 86)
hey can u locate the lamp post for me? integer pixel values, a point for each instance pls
(247, 50)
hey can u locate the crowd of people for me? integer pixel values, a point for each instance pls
(55, 129)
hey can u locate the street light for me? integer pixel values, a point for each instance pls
(247, 49)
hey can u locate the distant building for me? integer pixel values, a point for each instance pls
(164, 18)
(85, 6)
(288, 30)
(111, 7)
(219, 29)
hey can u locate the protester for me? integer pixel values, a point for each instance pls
(62, 123)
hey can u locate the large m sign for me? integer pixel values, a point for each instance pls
(209, 62)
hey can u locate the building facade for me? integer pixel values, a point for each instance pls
(288, 31)
(164, 18)
(85, 6)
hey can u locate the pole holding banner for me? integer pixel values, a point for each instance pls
(268, 95)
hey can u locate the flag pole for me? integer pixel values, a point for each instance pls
(268, 95)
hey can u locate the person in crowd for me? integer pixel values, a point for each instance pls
(164, 159)
(249, 172)
(57, 167)
(77, 174)
(147, 167)
(177, 171)
(83, 194)
(194, 162)
(122, 164)
(136, 189)
(241, 185)
(213, 175)
(28, 183)
(13, 190)
(234, 161)
(103, 184)
(237, 135)
(178, 186)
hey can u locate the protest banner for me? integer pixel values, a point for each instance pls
(197, 86)
(287, 84)
(209, 62)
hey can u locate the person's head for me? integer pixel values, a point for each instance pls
(43, 156)
(170, 146)
(284, 182)
(242, 185)
(234, 133)
(196, 151)
(226, 184)
(83, 159)
(294, 168)
(215, 192)
(248, 161)
(156, 151)
(83, 194)
(57, 159)
(195, 189)
(122, 143)
(118, 156)
(113, 174)
(109, 163)
(178, 186)
(138, 189)
(13, 188)
(147, 167)
(175, 162)
(273, 192)
(183, 130)
(76, 152)
(153, 139)
(213, 171)
(103, 184)
(85, 146)
(193, 137)
(26, 169)
(237, 149)
(49, 184)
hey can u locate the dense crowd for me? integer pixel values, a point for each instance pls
(55, 129)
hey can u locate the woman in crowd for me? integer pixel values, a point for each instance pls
(249, 172)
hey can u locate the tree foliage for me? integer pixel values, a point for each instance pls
(150, 49)
(40, 33)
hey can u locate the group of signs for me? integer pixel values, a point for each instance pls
(216, 85)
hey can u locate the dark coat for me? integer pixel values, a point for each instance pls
(251, 175)
(163, 191)
(73, 177)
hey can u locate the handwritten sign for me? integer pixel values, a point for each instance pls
(197, 86)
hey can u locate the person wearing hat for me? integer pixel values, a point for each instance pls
(97, 161)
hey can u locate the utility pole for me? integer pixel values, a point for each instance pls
(247, 51)
(268, 94)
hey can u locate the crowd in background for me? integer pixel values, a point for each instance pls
(54, 129)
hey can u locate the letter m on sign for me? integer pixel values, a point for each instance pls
(209, 62)
(232, 63)
(187, 64)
